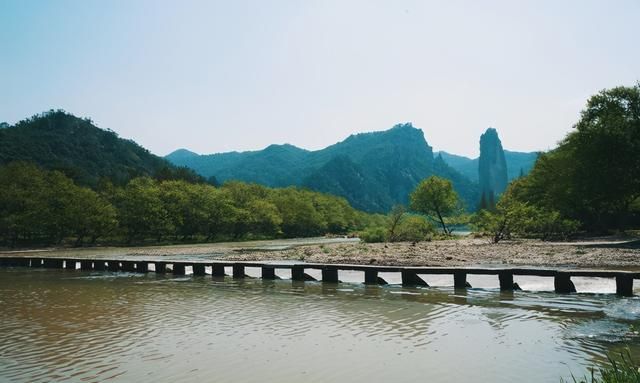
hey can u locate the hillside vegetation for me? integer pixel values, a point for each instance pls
(57, 140)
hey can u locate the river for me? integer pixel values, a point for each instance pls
(65, 325)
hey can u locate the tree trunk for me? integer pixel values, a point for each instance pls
(444, 227)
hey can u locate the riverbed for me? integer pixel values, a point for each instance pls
(70, 325)
(605, 253)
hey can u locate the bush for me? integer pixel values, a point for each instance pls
(415, 229)
(373, 234)
(514, 217)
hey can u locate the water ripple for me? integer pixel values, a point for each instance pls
(93, 327)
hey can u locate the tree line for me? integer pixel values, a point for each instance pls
(46, 207)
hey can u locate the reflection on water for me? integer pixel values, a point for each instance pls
(62, 325)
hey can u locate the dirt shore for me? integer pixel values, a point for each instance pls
(607, 253)
(464, 252)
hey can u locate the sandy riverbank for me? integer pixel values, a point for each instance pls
(464, 252)
(605, 253)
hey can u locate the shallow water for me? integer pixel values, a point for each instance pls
(64, 325)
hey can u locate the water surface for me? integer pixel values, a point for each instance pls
(65, 325)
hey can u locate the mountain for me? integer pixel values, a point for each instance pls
(60, 141)
(492, 166)
(466, 166)
(373, 171)
(518, 163)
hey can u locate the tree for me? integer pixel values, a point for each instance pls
(90, 216)
(21, 201)
(515, 216)
(594, 174)
(435, 198)
(396, 215)
(221, 215)
(299, 215)
(141, 212)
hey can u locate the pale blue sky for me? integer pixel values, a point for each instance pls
(216, 76)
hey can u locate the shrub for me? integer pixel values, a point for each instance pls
(373, 234)
(623, 371)
(415, 229)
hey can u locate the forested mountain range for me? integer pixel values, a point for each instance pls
(373, 171)
(57, 140)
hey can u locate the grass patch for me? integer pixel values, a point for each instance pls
(624, 370)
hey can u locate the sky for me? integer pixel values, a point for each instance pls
(216, 76)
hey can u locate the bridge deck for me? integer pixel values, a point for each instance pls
(410, 274)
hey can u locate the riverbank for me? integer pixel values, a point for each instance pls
(595, 253)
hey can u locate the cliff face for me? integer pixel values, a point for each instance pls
(492, 166)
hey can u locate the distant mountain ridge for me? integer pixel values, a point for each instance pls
(373, 171)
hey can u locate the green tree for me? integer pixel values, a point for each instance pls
(264, 218)
(513, 216)
(221, 214)
(141, 212)
(435, 198)
(335, 211)
(21, 201)
(299, 216)
(90, 216)
(395, 217)
(594, 174)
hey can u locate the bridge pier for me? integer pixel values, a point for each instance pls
(160, 267)
(70, 264)
(24, 262)
(99, 265)
(506, 280)
(178, 269)
(371, 277)
(411, 278)
(268, 272)
(142, 267)
(52, 263)
(128, 266)
(113, 265)
(198, 269)
(15, 262)
(217, 270)
(86, 265)
(330, 275)
(36, 262)
(562, 283)
(624, 285)
(297, 273)
(238, 271)
(460, 280)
